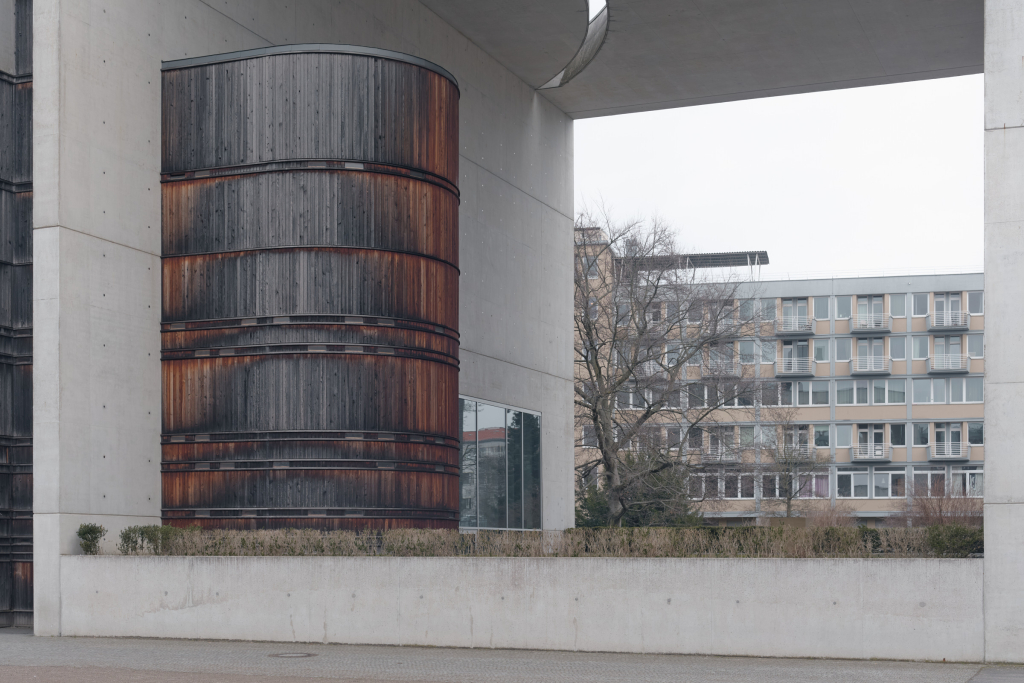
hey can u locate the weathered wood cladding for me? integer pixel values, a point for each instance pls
(16, 328)
(310, 293)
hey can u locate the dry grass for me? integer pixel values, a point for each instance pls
(708, 542)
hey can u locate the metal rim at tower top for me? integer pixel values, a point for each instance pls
(310, 290)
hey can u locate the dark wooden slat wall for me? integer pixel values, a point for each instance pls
(16, 329)
(310, 294)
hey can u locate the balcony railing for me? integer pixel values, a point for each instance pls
(870, 323)
(794, 451)
(949, 320)
(870, 365)
(946, 362)
(949, 451)
(718, 367)
(719, 455)
(794, 366)
(873, 452)
(794, 324)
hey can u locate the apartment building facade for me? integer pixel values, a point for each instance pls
(875, 385)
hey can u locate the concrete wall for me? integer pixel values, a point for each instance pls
(888, 609)
(97, 241)
(1004, 364)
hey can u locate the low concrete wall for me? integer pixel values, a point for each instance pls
(890, 609)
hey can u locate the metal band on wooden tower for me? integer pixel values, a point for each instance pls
(310, 290)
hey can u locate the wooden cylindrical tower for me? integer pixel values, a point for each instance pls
(310, 290)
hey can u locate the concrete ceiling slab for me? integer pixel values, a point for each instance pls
(660, 54)
(534, 39)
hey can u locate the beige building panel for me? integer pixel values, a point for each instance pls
(821, 327)
(805, 414)
(977, 365)
(977, 323)
(843, 326)
(977, 453)
(725, 416)
(919, 323)
(871, 413)
(873, 504)
(768, 370)
(917, 367)
(899, 367)
(920, 453)
(842, 368)
(949, 413)
(822, 369)
(899, 325)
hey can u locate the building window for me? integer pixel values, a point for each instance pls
(920, 348)
(589, 437)
(898, 305)
(695, 439)
(976, 345)
(852, 392)
(920, 433)
(747, 436)
(695, 396)
(968, 481)
(821, 436)
(890, 482)
(930, 482)
(739, 486)
(852, 482)
(768, 351)
(821, 350)
(747, 307)
(821, 308)
(811, 393)
(844, 349)
(768, 309)
(976, 303)
(499, 483)
(844, 305)
(898, 434)
(922, 391)
(592, 308)
(898, 348)
(748, 352)
(976, 433)
(844, 436)
(920, 305)
(889, 391)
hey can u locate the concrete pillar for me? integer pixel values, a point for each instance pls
(1004, 290)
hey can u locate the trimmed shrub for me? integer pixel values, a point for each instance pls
(153, 539)
(954, 540)
(89, 536)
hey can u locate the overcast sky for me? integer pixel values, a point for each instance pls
(866, 179)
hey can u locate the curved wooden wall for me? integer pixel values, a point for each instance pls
(16, 328)
(310, 291)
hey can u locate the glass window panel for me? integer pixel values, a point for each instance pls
(976, 433)
(897, 391)
(819, 393)
(956, 390)
(898, 305)
(844, 436)
(821, 436)
(862, 391)
(821, 350)
(976, 345)
(898, 434)
(589, 436)
(899, 485)
(804, 393)
(732, 486)
(920, 433)
(768, 486)
(922, 391)
(920, 484)
(920, 348)
(786, 390)
(746, 309)
(531, 471)
(881, 484)
(514, 460)
(770, 394)
(879, 391)
(843, 306)
(844, 392)
(844, 347)
(492, 487)
(747, 351)
(768, 351)
(898, 348)
(860, 485)
(746, 486)
(939, 391)
(976, 302)
(746, 436)
(467, 475)
(975, 389)
(844, 486)
(920, 304)
(821, 307)
(768, 309)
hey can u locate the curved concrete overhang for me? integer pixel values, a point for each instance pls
(661, 54)
(534, 39)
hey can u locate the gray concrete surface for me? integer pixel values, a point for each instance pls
(24, 657)
(863, 609)
(1004, 376)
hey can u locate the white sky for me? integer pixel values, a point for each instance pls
(886, 178)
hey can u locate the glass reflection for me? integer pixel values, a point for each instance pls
(531, 471)
(491, 479)
(467, 477)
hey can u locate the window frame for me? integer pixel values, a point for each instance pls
(913, 347)
(851, 472)
(913, 304)
(895, 297)
(915, 431)
(980, 424)
(849, 355)
(889, 473)
(814, 350)
(903, 354)
(975, 335)
(970, 295)
(828, 307)
(849, 305)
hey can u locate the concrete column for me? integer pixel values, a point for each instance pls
(1004, 364)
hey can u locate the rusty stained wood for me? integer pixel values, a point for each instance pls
(310, 312)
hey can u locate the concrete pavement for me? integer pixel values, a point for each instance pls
(24, 657)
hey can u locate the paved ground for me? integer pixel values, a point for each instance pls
(24, 657)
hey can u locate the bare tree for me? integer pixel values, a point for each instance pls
(792, 473)
(651, 333)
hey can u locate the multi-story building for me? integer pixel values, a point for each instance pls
(875, 384)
